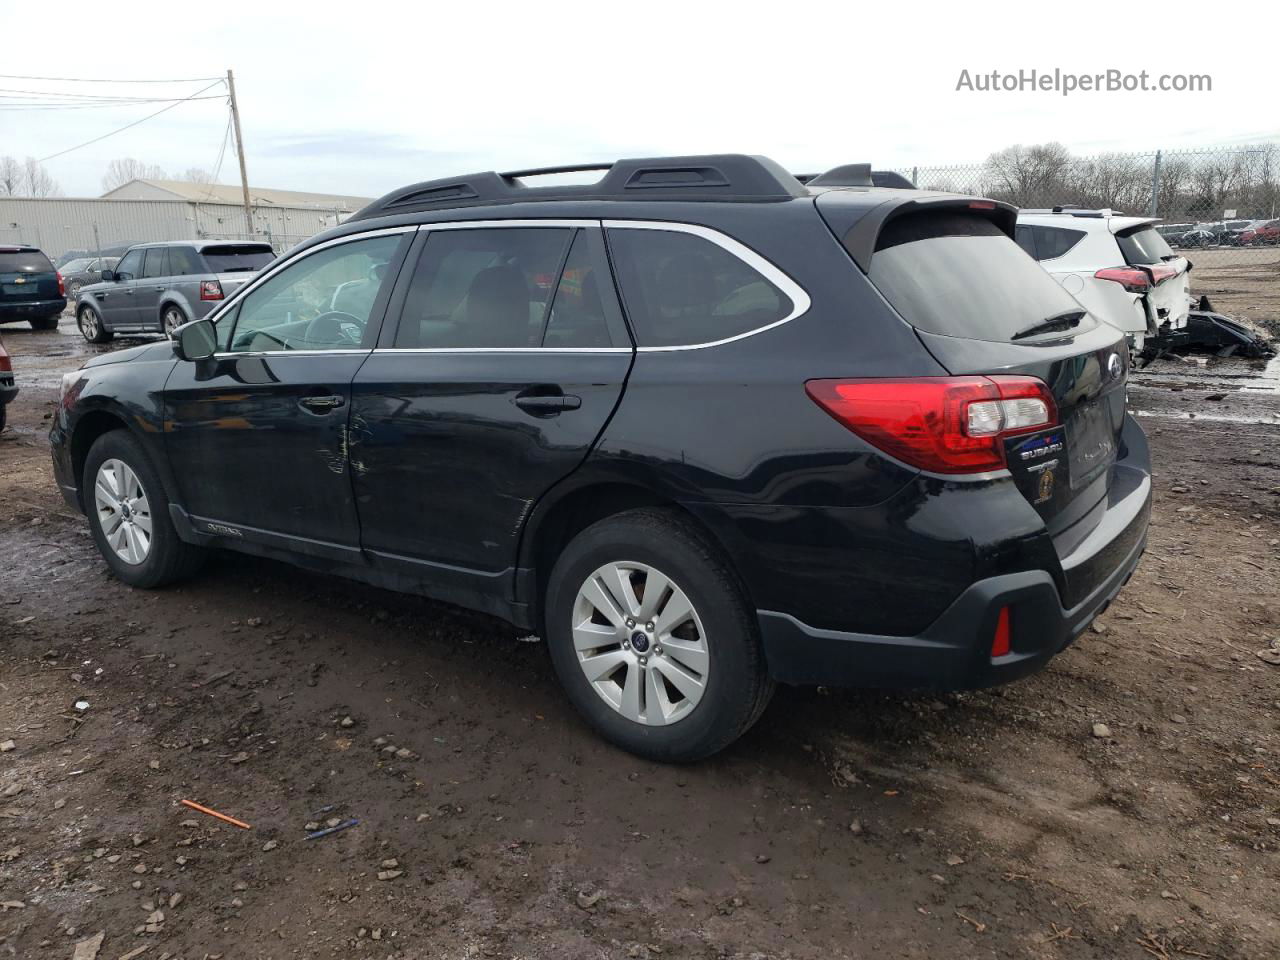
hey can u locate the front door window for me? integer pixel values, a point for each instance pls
(324, 301)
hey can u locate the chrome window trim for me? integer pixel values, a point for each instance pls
(287, 261)
(799, 298)
(532, 350)
(259, 354)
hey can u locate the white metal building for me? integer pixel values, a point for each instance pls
(148, 210)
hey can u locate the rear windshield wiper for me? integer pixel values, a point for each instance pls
(1058, 322)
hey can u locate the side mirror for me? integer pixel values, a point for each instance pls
(196, 340)
(108, 276)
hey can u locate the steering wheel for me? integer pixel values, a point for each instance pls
(331, 327)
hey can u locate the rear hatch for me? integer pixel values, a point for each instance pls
(234, 264)
(1169, 293)
(25, 275)
(983, 307)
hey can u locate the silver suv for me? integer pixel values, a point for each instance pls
(157, 287)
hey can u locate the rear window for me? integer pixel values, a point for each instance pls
(1144, 246)
(238, 258)
(681, 289)
(961, 276)
(25, 261)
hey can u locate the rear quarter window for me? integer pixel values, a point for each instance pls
(1047, 243)
(1145, 246)
(681, 289)
(25, 261)
(962, 276)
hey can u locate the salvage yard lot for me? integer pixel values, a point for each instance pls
(1123, 803)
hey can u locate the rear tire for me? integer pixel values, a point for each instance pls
(90, 325)
(128, 511)
(171, 320)
(623, 686)
(4, 407)
(45, 323)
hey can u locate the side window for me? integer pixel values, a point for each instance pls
(1025, 237)
(482, 288)
(184, 262)
(156, 262)
(1053, 242)
(130, 266)
(322, 302)
(682, 289)
(577, 313)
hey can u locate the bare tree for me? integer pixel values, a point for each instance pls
(10, 177)
(39, 181)
(1029, 175)
(26, 178)
(197, 175)
(123, 169)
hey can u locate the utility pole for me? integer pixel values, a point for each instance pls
(244, 177)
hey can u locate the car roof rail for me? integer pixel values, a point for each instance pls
(1072, 210)
(727, 177)
(856, 175)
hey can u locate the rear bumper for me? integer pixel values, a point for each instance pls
(8, 391)
(24, 310)
(953, 652)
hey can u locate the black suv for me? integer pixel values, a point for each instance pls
(701, 425)
(30, 288)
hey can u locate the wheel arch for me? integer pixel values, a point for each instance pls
(556, 521)
(171, 298)
(100, 420)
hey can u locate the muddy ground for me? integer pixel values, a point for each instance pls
(845, 824)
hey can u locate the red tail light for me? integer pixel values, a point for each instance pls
(1133, 279)
(210, 290)
(1161, 272)
(6, 365)
(1000, 640)
(940, 424)
(62, 287)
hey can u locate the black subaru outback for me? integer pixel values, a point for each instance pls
(703, 426)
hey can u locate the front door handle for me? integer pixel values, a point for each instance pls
(322, 403)
(546, 405)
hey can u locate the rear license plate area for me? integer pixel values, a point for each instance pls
(1091, 444)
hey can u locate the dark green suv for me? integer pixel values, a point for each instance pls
(30, 288)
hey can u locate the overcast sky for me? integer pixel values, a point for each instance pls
(361, 98)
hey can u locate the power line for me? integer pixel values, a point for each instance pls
(217, 170)
(66, 95)
(103, 106)
(18, 76)
(134, 124)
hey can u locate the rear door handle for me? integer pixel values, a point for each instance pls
(322, 403)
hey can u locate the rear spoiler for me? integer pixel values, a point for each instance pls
(859, 237)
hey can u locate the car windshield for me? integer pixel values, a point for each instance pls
(75, 266)
(238, 258)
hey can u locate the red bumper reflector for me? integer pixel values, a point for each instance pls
(1000, 642)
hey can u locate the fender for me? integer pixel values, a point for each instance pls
(175, 297)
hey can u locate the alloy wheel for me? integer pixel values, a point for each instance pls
(88, 323)
(172, 321)
(123, 511)
(640, 643)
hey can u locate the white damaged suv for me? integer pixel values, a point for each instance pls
(1120, 269)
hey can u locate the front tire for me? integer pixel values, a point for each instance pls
(128, 512)
(653, 639)
(91, 327)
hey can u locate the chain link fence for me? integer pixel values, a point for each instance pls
(1217, 206)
